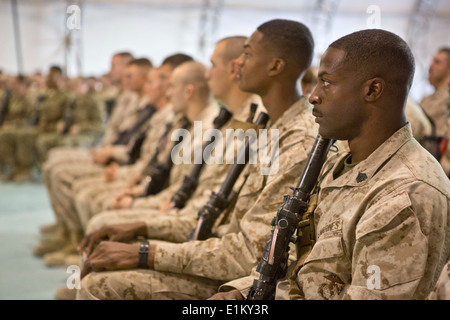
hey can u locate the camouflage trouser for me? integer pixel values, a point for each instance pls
(87, 192)
(45, 142)
(61, 193)
(78, 140)
(141, 284)
(114, 217)
(17, 147)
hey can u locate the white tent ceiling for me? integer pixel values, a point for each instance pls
(157, 28)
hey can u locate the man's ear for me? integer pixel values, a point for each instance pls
(189, 90)
(276, 66)
(373, 89)
(233, 68)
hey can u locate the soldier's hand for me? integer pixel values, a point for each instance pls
(165, 206)
(111, 172)
(74, 129)
(59, 127)
(229, 295)
(101, 156)
(124, 202)
(121, 233)
(112, 256)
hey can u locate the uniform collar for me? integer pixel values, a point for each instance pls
(298, 107)
(366, 169)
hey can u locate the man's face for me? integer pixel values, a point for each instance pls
(253, 64)
(165, 73)
(118, 67)
(439, 69)
(337, 98)
(153, 88)
(177, 93)
(219, 75)
(135, 78)
(54, 79)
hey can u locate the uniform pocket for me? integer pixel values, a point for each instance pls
(385, 215)
(326, 249)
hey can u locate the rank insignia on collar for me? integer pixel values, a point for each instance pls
(361, 177)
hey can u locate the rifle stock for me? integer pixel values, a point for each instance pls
(274, 261)
(218, 202)
(190, 183)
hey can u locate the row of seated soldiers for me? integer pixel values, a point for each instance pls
(109, 194)
(38, 113)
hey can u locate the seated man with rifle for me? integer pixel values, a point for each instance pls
(274, 57)
(377, 225)
(196, 186)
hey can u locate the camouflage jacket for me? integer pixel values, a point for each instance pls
(382, 227)
(243, 235)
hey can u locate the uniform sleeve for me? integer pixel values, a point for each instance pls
(235, 254)
(93, 121)
(399, 244)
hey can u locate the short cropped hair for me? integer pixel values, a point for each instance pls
(55, 68)
(125, 55)
(176, 59)
(291, 40)
(141, 62)
(234, 46)
(378, 53)
(447, 51)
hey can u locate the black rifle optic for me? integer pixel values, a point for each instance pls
(5, 106)
(274, 262)
(37, 111)
(144, 115)
(218, 202)
(158, 177)
(190, 182)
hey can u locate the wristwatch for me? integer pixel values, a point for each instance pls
(143, 254)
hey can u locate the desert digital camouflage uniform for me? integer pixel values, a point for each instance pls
(65, 181)
(441, 290)
(194, 270)
(86, 199)
(389, 212)
(60, 174)
(122, 118)
(436, 107)
(86, 115)
(420, 125)
(211, 178)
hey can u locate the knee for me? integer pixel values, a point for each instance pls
(90, 288)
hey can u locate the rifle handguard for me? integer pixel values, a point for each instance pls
(274, 262)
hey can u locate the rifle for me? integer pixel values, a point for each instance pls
(37, 113)
(274, 261)
(190, 182)
(218, 202)
(144, 115)
(68, 116)
(159, 174)
(5, 106)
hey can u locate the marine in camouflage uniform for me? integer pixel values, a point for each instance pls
(194, 270)
(149, 207)
(16, 116)
(84, 115)
(436, 107)
(89, 195)
(20, 142)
